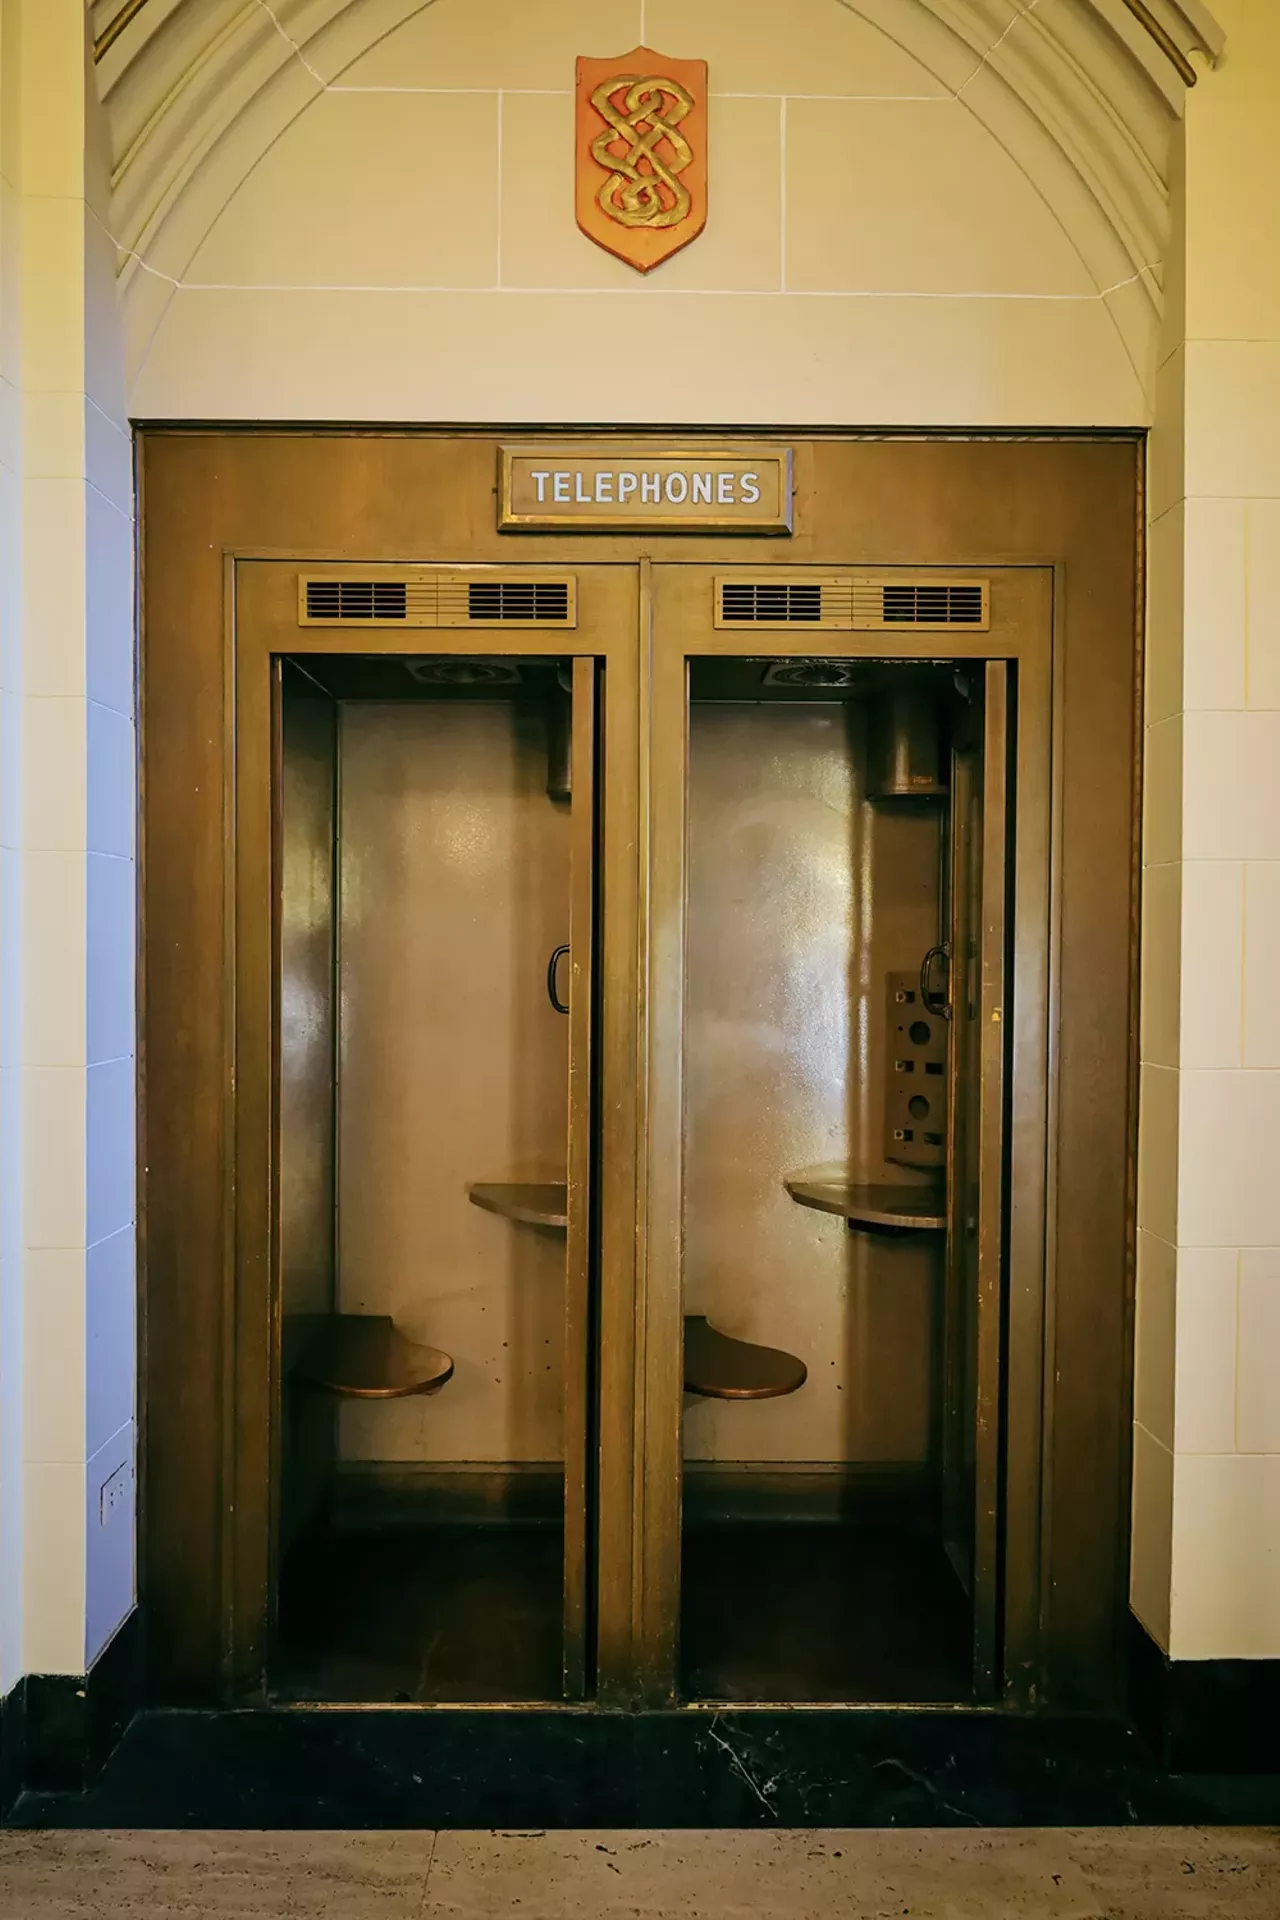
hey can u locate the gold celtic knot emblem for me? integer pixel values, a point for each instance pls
(643, 189)
(641, 158)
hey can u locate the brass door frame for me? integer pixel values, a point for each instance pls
(579, 1420)
(263, 595)
(993, 999)
(679, 609)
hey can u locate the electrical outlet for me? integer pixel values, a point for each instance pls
(114, 1493)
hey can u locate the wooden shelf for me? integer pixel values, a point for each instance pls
(878, 1209)
(364, 1356)
(537, 1206)
(720, 1368)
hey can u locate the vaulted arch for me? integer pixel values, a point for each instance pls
(1080, 98)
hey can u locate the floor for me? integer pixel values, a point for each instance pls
(472, 1614)
(1063, 1874)
(881, 1616)
(414, 1614)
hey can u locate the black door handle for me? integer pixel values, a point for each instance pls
(561, 1006)
(936, 999)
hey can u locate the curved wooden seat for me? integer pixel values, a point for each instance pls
(883, 1209)
(364, 1356)
(538, 1205)
(721, 1368)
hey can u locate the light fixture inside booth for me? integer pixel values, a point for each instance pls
(905, 745)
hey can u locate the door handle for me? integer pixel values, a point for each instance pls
(936, 999)
(561, 1006)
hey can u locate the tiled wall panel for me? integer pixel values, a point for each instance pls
(1211, 1110)
(67, 904)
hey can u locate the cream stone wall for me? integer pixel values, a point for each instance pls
(67, 895)
(1206, 1565)
(929, 212)
(11, 717)
(893, 236)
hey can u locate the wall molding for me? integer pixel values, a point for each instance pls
(114, 24)
(1180, 28)
(1177, 27)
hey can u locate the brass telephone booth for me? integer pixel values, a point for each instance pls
(658, 1275)
(833, 1080)
(419, 846)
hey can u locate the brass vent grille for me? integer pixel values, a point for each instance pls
(853, 602)
(952, 604)
(786, 603)
(429, 597)
(368, 601)
(526, 601)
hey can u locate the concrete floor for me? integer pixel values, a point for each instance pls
(896, 1874)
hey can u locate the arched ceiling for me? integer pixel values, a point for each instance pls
(1084, 93)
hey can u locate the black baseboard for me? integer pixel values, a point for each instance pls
(1205, 1716)
(1202, 1732)
(58, 1730)
(343, 1768)
(12, 1746)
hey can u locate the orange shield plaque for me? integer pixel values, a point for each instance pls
(641, 175)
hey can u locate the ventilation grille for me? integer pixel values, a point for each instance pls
(429, 598)
(785, 603)
(369, 601)
(854, 603)
(528, 602)
(954, 604)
